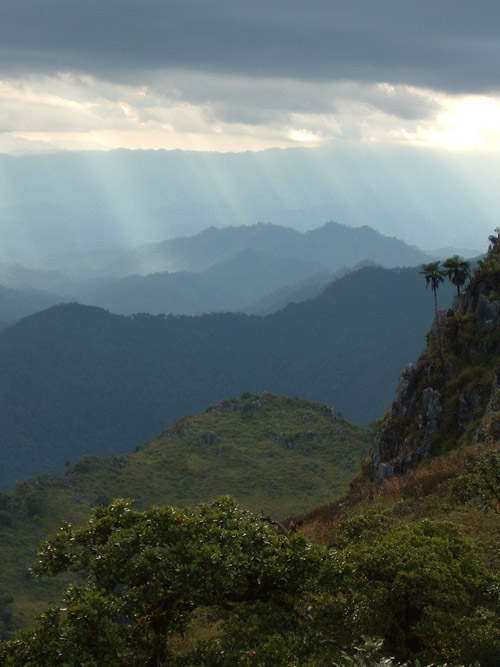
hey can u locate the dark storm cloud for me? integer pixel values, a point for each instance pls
(451, 45)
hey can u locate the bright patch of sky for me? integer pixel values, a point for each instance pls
(193, 111)
(230, 75)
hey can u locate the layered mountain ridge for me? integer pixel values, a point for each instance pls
(77, 380)
(248, 268)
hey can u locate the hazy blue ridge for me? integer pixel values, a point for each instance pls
(77, 380)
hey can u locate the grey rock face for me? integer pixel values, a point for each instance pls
(387, 445)
(405, 395)
(487, 312)
(431, 403)
(385, 472)
(439, 323)
(393, 453)
(493, 405)
(449, 371)
(417, 415)
(483, 435)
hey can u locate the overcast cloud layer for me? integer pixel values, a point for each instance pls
(235, 75)
(450, 45)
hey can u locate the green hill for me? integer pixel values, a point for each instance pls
(276, 455)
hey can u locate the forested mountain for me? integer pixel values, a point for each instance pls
(406, 563)
(228, 285)
(77, 380)
(221, 269)
(233, 268)
(332, 245)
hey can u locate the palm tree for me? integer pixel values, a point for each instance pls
(493, 239)
(457, 270)
(433, 275)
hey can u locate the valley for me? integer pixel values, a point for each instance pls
(78, 380)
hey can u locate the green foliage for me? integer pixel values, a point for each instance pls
(364, 526)
(457, 270)
(276, 455)
(433, 275)
(481, 482)
(146, 572)
(6, 620)
(421, 587)
(271, 599)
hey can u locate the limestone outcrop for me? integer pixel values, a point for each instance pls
(446, 396)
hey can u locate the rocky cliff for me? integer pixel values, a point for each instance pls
(451, 396)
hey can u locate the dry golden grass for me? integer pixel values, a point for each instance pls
(433, 476)
(427, 485)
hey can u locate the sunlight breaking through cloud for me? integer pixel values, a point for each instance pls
(192, 111)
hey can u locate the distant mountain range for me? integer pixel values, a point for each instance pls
(228, 285)
(66, 209)
(233, 268)
(332, 245)
(78, 380)
(250, 269)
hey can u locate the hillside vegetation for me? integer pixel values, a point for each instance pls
(276, 455)
(435, 463)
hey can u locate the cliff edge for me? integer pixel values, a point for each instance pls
(450, 397)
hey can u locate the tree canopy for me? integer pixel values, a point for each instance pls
(263, 597)
(457, 270)
(143, 574)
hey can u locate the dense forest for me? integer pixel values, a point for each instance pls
(77, 380)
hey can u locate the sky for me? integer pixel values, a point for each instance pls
(237, 75)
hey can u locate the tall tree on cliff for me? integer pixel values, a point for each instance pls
(457, 270)
(434, 275)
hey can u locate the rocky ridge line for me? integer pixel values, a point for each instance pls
(450, 396)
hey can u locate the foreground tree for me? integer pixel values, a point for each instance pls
(423, 589)
(493, 239)
(261, 597)
(481, 483)
(145, 573)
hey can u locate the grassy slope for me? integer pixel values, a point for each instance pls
(431, 491)
(278, 455)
